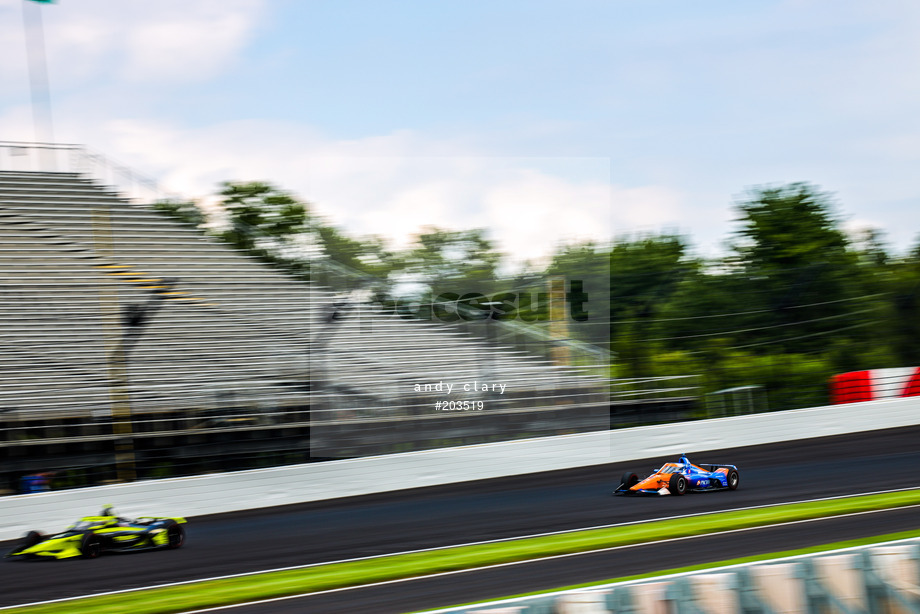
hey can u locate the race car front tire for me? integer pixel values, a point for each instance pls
(677, 484)
(628, 480)
(91, 546)
(31, 538)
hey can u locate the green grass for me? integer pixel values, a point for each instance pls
(337, 575)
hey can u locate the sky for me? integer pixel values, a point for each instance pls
(544, 122)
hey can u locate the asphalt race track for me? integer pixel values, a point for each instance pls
(496, 583)
(474, 511)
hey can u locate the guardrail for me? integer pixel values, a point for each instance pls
(70, 158)
(867, 579)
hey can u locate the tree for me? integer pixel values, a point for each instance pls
(456, 261)
(185, 212)
(586, 270)
(905, 320)
(787, 229)
(870, 248)
(262, 215)
(644, 273)
(790, 246)
(368, 255)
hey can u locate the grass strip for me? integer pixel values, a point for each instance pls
(758, 558)
(337, 575)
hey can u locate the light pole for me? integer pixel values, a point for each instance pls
(38, 70)
(490, 361)
(134, 317)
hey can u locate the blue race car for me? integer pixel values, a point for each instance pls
(679, 478)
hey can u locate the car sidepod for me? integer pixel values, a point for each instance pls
(152, 534)
(701, 480)
(722, 477)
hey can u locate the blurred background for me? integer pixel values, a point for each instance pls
(244, 234)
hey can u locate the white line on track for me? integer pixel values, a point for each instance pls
(488, 541)
(525, 562)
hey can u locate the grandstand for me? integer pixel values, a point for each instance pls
(125, 331)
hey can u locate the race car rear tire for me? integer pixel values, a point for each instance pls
(176, 535)
(91, 547)
(628, 480)
(733, 479)
(677, 484)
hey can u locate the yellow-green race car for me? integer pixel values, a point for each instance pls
(91, 536)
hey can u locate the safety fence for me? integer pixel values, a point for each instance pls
(70, 158)
(882, 578)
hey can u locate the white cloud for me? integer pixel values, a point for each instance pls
(16, 124)
(535, 212)
(185, 40)
(386, 185)
(162, 42)
(12, 45)
(646, 207)
(402, 213)
(788, 91)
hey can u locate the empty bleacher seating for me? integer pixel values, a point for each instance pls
(223, 329)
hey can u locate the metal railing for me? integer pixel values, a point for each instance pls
(18, 156)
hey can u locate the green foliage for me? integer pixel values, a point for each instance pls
(260, 211)
(187, 213)
(787, 228)
(589, 264)
(905, 308)
(457, 261)
(369, 255)
(796, 301)
(644, 272)
(791, 243)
